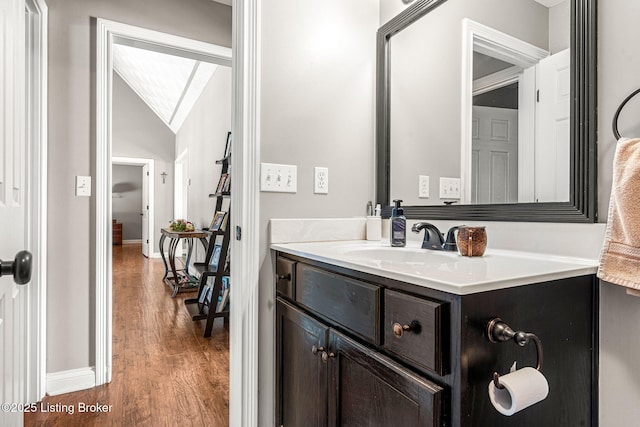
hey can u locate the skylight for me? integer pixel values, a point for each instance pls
(169, 84)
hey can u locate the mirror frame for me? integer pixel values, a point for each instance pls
(582, 206)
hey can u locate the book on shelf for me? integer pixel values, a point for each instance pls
(205, 295)
(223, 298)
(215, 256)
(222, 183)
(227, 261)
(227, 184)
(219, 221)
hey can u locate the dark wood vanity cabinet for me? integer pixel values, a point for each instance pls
(326, 378)
(354, 349)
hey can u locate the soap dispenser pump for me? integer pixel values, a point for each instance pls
(398, 225)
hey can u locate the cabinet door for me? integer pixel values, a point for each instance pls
(368, 389)
(301, 372)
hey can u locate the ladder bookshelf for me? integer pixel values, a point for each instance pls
(212, 300)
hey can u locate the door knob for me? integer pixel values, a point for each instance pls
(19, 268)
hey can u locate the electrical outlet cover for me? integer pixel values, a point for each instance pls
(423, 186)
(321, 180)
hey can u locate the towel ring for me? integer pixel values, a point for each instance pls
(498, 331)
(615, 116)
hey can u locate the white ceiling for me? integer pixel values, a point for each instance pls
(169, 85)
(227, 2)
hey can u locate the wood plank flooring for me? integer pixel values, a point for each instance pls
(164, 372)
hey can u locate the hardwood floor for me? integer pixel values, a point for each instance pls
(164, 372)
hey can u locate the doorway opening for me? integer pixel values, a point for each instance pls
(110, 34)
(133, 201)
(507, 61)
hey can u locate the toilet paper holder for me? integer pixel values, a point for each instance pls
(498, 331)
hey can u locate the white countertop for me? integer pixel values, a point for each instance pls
(444, 271)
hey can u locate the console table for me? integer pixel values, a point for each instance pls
(180, 280)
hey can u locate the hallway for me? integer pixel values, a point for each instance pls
(164, 372)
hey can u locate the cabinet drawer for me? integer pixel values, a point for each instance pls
(286, 276)
(353, 304)
(413, 329)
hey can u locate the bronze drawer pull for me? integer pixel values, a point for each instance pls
(283, 277)
(399, 330)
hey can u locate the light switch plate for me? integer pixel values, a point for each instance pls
(278, 178)
(449, 188)
(83, 186)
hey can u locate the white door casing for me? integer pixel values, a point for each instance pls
(243, 390)
(491, 42)
(552, 152)
(106, 32)
(36, 139)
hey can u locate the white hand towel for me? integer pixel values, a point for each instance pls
(620, 257)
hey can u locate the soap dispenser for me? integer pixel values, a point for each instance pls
(398, 225)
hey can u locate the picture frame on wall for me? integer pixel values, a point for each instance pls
(219, 221)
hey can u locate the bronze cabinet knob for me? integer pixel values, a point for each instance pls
(315, 349)
(326, 356)
(399, 330)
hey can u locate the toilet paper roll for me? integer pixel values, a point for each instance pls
(522, 388)
(374, 228)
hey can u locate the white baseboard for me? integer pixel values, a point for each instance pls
(132, 241)
(155, 255)
(70, 381)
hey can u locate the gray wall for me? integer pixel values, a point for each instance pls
(317, 89)
(71, 151)
(204, 134)
(139, 132)
(559, 28)
(127, 200)
(618, 62)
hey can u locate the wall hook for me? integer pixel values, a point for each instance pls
(164, 176)
(498, 331)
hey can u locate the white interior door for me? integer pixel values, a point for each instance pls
(552, 150)
(494, 155)
(145, 210)
(13, 210)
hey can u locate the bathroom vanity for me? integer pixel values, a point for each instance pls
(369, 335)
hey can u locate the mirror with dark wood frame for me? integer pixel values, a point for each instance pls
(576, 204)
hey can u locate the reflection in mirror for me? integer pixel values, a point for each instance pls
(446, 66)
(482, 116)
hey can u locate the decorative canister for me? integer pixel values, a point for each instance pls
(472, 240)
